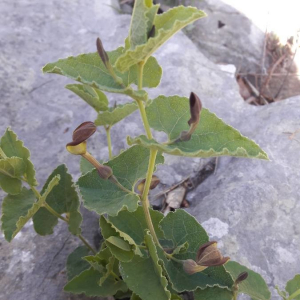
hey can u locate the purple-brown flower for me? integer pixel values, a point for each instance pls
(208, 255)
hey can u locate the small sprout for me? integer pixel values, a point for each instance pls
(243, 276)
(195, 109)
(154, 182)
(78, 147)
(208, 255)
(102, 53)
(151, 33)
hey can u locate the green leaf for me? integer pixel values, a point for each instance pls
(213, 294)
(75, 262)
(254, 285)
(181, 227)
(293, 286)
(92, 96)
(166, 25)
(17, 210)
(141, 22)
(85, 166)
(13, 208)
(11, 169)
(212, 137)
(10, 185)
(115, 115)
(63, 199)
(181, 248)
(87, 282)
(103, 196)
(134, 223)
(144, 276)
(121, 245)
(89, 69)
(13, 147)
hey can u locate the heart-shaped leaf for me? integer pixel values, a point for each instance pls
(17, 210)
(213, 293)
(293, 286)
(180, 227)
(63, 199)
(103, 196)
(89, 69)
(212, 136)
(166, 25)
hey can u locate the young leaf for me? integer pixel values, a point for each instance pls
(103, 196)
(87, 282)
(212, 136)
(293, 286)
(11, 169)
(121, 245)
(89, 69)
(92, 96)
(182, 227)
(141, 22)
(17, 210)
(213, 293)
(166, 24)
(134, 223)
(75, 262)
(63, 199)
(115, 115)
(254, 285)
(146, 270)
(13, 147)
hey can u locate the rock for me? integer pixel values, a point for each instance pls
(227, 36)
(250, 206)
(44, 114)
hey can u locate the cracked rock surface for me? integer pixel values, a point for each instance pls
(249, 206)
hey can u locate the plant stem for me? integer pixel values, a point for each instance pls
(144, 118)
(144, 198)
(109, 142)
(294, 295)
(53, 212)
(151, 165)
(86, 244)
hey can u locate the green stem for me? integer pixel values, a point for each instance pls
(294, 295)
(173, 258)
(53, 212)
(109, 142)
(86, 244)
(144, 198)
(144, 118)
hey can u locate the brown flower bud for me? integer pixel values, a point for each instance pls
(243, 276)
(195, 109)
(80, 135)
(151, 33)
(83, 132)
(208, 255)
(102, 53)
(191, 267)
(154, 182)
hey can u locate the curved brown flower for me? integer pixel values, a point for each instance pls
(208, 255)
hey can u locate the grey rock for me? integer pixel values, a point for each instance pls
(252, 207)
(227, 36)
